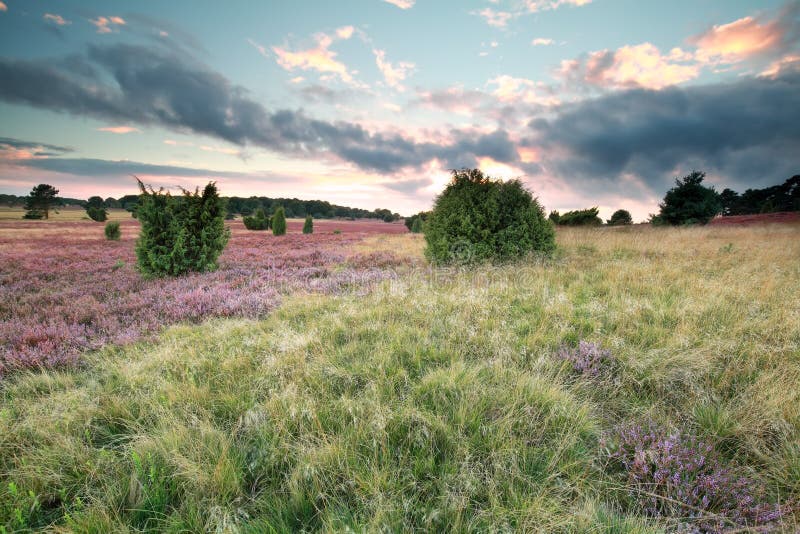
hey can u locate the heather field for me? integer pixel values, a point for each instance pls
(64, 289)
(640, 380)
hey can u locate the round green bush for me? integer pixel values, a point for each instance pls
(112, 230)
(478, 218)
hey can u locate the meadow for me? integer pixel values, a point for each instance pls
(639, 380)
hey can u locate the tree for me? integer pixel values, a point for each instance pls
(554, 217)
(40, 201)
(690, 202)
(308, 226)
(478, 218)
(422, 216)
(620, 218)
(181, 234)
(279, 222)
(416, 228)
(95, 202)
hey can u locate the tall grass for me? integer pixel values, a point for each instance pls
(437, 402)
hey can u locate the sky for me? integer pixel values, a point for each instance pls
(371, 103)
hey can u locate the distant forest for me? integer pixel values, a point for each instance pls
(319, 209)
(784, 197)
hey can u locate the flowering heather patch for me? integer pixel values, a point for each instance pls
(587, 358)
(676, 475)
(65, 289)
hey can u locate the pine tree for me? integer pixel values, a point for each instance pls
(279, 222)
(308, 226)
(40, 201)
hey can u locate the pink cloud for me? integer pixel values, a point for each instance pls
(640, 65)
(542, 41)
(119, 129)
(545, 5)
(394, 74)
(56, 19)
(3, 7)
(738, 40)
(402, 4)
(319, 58)
(106, 24)
(510, 89)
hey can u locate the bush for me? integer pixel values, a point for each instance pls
(587, 217)
(308, 226)
(620, 218)
(554, 217)
(97, 214)
(477, 218)
(689, 202)
(416, 227)
(279, 222)
(182, 234)
(33, 215)
(258, 221)
(112, 230)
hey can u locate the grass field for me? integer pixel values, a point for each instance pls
(443, 400)
(63, 214)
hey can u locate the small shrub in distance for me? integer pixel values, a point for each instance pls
(308, 226)
(477, 218)
(112, 230)
(181, 234)
(97, 214)
(279, 222)
(258, 221)
(33, 215)
(422, 216)
(620, 218)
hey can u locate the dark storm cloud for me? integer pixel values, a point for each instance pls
(409, 187)
(746, 131)
(147, 86)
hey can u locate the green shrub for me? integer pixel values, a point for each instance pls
(180, 234)
(258, 221)
(113, 233)
(620, 218)
(690, 202)
(587, 217)
(279, 222)
(421, 216)
(97, 214)
(416, 227)
(33, 215)
(554, 216)
(308, 226)
(477, 218)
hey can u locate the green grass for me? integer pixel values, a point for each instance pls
(434, 403)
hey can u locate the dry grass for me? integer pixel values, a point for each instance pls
(63, 214)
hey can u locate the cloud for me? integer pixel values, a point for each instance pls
(318, 58)
(394, 74)
(408, 187)
(402, 4)
(106, 24)
(144, 86)
(510, 89)
(261, 48)
(545, 5)
(36, 147)
(453, 99)
(119, 129)
(640, 65)
(497, 19)
(749, 37)
(542, 41)
(56, 19)
(746, 132)
(3, 7)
